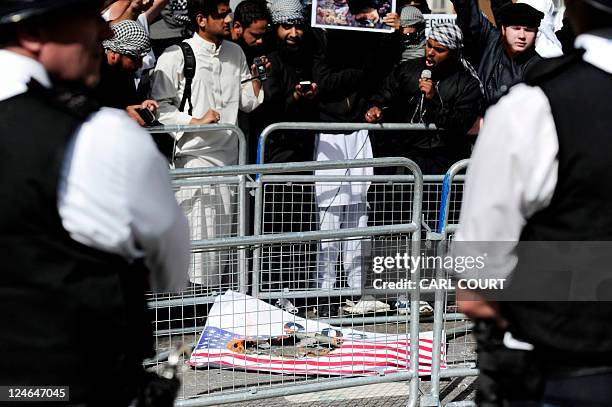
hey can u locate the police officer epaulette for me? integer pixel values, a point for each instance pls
(550, 67)
(69, 99)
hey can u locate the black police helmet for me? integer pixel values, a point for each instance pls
(14, 11)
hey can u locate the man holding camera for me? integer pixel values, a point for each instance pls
(222, 85)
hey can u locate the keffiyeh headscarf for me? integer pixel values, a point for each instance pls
(180, 11)
(287, 12)
(449, 35)
(129, 38)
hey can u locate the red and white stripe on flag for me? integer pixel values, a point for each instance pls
(371, 354)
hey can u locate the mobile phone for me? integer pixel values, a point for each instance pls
(146, 115)
(261, 69)
(306, 86)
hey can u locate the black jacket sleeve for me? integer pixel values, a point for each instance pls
(398, 85)
(388, 91)
(477, 29)
(332, 82)
(458, 115)
(496, 6)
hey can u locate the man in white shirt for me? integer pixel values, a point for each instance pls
(221, 86)
(549, 182)
(86, 202)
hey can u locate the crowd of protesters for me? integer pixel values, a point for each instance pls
(315, 74)
(91, 223)
(178, 62)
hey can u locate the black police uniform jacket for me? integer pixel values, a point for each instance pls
(72, 315)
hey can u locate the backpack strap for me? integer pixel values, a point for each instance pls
(189, 72)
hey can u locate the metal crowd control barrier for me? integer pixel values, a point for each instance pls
(191, 128)
(412, 228)
(441, 238)
(317, 126)
(239, 174)
(186, 185)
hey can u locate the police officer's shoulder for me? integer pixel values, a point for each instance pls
(72, 101)
(114, 128)
(548, 68)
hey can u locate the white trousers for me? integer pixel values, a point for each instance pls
(209, 211)
(334, 218)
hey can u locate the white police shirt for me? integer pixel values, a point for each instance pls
(514, 168)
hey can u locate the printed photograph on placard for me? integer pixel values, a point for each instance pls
(360, 15)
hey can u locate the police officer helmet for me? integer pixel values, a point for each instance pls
(14, 11)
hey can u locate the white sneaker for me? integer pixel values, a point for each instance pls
(286, 305)
(403, 308)
(365, 307)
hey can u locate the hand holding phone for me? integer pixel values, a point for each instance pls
(305, 89)
(305, 86)
(260, 66)
(146, 115)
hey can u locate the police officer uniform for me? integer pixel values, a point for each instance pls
(88, 224)
(547, 181)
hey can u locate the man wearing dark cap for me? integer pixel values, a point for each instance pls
(501, 55)
(549, 182)
(88, 219)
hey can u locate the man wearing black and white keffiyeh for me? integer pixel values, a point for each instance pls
(124, 53)
(442, 89)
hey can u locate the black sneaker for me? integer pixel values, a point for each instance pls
(328, 310)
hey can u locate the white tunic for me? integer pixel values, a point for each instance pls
(332, 147)
(216, 85)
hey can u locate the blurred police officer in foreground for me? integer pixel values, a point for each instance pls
(88, 221)
(550, 182)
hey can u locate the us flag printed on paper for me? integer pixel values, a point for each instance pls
(243, 332)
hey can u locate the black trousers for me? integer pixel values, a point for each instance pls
(516, 378)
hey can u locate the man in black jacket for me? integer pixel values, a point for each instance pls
(451, 99)
(289, 96)
(502, 56)
(290, 90)
(123, 57)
